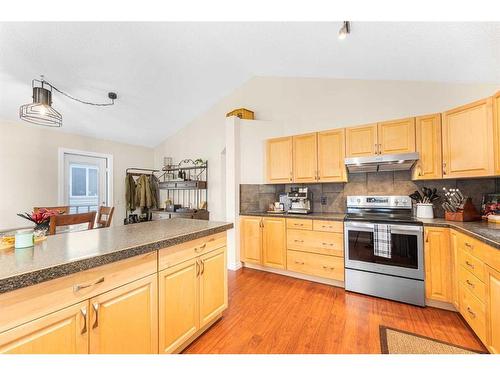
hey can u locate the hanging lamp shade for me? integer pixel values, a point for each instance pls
(40, 111)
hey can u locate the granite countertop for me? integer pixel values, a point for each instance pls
(489, 233)
(68, 253)
(334, 216)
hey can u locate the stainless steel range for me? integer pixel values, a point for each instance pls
(384, 249)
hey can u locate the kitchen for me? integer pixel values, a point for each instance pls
(298, 214)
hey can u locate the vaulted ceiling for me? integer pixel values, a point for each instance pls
(166, 74)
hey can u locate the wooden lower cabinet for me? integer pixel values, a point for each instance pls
(455, 269)
(178, 305)
(125, 320)
(213, 285)
(493, 309)
(326, 266)
(251, 239)
(437, 256)
(274, 242)
(63, 332)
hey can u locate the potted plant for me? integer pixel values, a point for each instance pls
(41, 218)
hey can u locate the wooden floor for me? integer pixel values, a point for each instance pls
(270, 313)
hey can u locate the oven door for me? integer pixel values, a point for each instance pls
(407, 253)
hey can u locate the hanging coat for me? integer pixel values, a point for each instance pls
(154, 185)
(130, 192)
(143, 196)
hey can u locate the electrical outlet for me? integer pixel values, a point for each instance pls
(323, 201)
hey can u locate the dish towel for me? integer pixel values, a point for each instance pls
(382, 240)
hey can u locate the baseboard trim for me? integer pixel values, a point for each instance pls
(296, 275)
(440, 305)
(235, 266)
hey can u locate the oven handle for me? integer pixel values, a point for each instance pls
(354, 226)
(403, 229)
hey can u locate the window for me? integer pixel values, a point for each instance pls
(84, 181)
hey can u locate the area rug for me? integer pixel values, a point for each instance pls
(395, 341)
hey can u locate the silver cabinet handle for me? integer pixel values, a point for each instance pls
(197, 269)
(79, 287)
(327, 244)
(469, 264)
(96, 312)
(200, 249)
(298, 262)
(202, 267)
(472, 313)
(83, 311)
(469, 245)
(298, 240)
(470, 284)
(328, 268)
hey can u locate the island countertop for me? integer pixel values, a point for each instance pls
(64, 254)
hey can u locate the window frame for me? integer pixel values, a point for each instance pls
(87, 168)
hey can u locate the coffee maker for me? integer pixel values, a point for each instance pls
(300, 200)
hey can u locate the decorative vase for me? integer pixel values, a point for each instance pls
(41, 229)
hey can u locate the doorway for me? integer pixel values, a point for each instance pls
(84, 182)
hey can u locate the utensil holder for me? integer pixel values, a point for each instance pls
(425, 210)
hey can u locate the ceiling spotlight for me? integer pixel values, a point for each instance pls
(344, 30)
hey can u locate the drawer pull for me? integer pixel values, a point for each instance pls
(469, 283)
(298, 240)
(328, 268)
(299, 225)
(83, 311)
(469, 264)
(327, 244)
(327, 226)
(79, 287)
(472, 313)
(96, 312)
(298, 262)
(200, 249)
(469, 245)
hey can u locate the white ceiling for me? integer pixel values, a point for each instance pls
(166, 74)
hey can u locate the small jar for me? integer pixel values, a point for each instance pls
(24, 238)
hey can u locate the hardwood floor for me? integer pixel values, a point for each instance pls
(270, 313)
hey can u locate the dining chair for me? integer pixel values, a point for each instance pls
(104, 216)
(61, 209)
(71, 219)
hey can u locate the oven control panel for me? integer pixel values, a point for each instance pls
(380, 201)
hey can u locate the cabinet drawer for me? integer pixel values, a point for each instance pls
(328, 226)
(173, 255)
(472, 264)
(473, 311)
(316, 242)
(471, 245)
(299, 224)
(23, 305)
(471, 282)
(330, 267)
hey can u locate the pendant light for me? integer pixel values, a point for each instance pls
(40, 112)
(344, 30)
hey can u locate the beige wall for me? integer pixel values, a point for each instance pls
(296, 105)
(29, 168)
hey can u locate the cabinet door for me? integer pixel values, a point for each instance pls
(178, 304)
(62, 332)
(251, 239)
(455, 269)
(331, 155)
(125, 320)
(274, 242)
(428, 141)
(496, 131)
(305, 158)
(213, 285)
(493, 310)
(468, 140)
(437, 264)
(396, 136)
(279, 160)
(361, 141)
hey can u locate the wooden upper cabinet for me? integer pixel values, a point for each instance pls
(251, 239)
(62, 332)
(178, 305)
(305, 158)
(213, 285)
(361, 141)
(331, 155)
(125, 320)
(396, 136)
(493, 310)
(468, 140)
(279, 160)
(437, 256)
(428, 142)
(274, 242)
(496, 131)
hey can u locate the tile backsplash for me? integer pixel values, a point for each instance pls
(258, 197)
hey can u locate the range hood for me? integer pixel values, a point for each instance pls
(381, 163)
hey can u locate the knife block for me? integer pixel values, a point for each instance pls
(468, 213)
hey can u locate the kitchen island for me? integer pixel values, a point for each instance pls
(143, 288)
